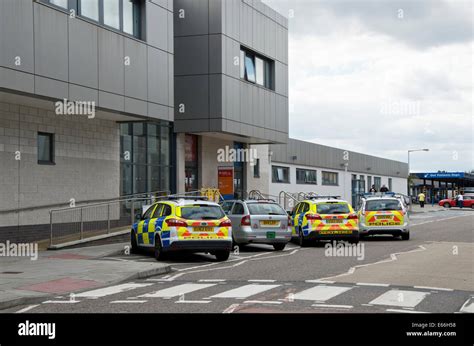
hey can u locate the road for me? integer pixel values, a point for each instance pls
(432, 272)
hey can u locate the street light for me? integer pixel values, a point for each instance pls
(408, 180)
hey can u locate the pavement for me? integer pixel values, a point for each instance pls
(25, 280)
(430, 273)
(415, 208)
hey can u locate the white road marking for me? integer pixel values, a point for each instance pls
(230, 309)
(261, 280)
(406, 311)
(434, 288)
(400, 298)
(261, 302)
(28, 308)
(244, 291)
(61, 302)
(320, 281)
(437, 220)
(320, 293)
(468, 306)
(333, 306)
(107, 291)
(193, 301)
(176, 290)
(212, 280)
(371, 284)
(128, 302)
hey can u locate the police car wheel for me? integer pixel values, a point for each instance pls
(406, 236)
(133, 242)
(158, 249)
(222, 255)
(302, 242)
(279, 247)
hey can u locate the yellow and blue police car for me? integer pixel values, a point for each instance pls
(183, 223)
(384, 213)
(324, 218)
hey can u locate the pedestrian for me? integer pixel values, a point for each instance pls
(373, 189)
(460, 199)
(421, 199)
(384, 189)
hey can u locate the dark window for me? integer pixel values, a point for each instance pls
(280, 174)
(332, 208)
(390, 184)
(383, 205)
(305, 176)
(256, 69)
(202, 212)
(123, 15)
(377, 183)
(238, 209)
(304, 207)
(157, 212)
(265, 209)
(148, 212)
(256, 169)
(166, 210)
(330, 178)
(45, 148)
(226, 206)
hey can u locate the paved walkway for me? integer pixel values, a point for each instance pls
(415, 208)
(25, 280)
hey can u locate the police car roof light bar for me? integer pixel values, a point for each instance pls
(323, 197)
(192, 198)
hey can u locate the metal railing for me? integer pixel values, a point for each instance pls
(85, 221)
(288, 200)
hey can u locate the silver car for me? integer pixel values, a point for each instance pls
(258, 221)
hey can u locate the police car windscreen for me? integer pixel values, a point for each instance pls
(383, 205)
(265, 209)
(202, 212)
(332, 208)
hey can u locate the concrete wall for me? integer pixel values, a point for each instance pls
(74, 58)
(207, 155)
(263, 182)
(86, 166)
(207, 80)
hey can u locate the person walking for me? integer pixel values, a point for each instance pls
(460, 200)
(421, 199)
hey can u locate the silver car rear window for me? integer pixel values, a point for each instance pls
(265, 209)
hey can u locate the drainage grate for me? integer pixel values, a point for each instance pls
(11, 273)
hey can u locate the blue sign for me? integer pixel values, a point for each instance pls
(441, 175)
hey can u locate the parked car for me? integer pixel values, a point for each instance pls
(183, 223)
(468, 202)
(258, 221)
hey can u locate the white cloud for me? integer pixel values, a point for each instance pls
(358, 84)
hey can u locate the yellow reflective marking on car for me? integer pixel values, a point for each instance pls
(384, 218)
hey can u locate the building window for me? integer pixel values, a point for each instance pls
(377, 183)
(123, 15)
(369, 182)
(45, 148)
(280, 174)
(60, 3)
(256, 69)
(330, 178)
(305, 176)
(90, 9)
(256, 169)
(390, 184)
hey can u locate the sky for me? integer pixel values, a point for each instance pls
(382, 77)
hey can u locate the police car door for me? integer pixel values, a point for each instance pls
(142, 227)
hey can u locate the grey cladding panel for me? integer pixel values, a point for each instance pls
(136, 70)
(83, 55)
(111, 62)
(158, 76)
(16, 34)
(157, 28)
(191, 55)
(191, 17)
(51, 43)
(193, 93)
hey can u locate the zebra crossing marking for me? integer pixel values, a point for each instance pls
(245, 291)
(175, 291)
(400, 298)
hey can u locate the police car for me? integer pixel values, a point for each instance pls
(182, 223)
(384, 213)
(324, 218)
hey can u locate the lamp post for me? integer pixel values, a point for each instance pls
(408, 180)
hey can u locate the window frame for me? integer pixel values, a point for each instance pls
(283, 181)
(268, 69)
(305, 182)
(51, 148)
(325, 181)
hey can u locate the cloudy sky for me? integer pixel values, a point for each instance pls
(384, 76)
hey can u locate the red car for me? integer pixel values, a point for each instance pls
(468, 202)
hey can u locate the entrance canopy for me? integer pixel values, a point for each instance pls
(459, 179)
